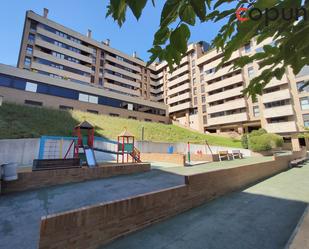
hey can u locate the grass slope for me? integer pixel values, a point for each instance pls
(17, 121)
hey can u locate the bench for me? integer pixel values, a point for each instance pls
(296, 162)
(236, 154)
(223, 155)
(50, 164)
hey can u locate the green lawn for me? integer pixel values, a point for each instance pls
(18, 121)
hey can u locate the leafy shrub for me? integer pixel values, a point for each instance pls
(258, 132)
(276, 140)
(265, 142)
(244, 141)
(260, 143)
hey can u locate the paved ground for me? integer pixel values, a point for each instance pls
(20, 213)
(202, 168)
(260, 217)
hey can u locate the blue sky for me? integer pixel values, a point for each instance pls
(80, 15)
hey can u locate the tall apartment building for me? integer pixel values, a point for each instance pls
(211, 100)
(64, 69)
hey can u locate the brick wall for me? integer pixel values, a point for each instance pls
(161, 157)
(45, 178)
(99, 224)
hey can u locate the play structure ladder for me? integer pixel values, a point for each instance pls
(136, 154)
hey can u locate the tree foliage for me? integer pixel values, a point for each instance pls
(291, 38)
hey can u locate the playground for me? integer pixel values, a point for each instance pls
(87, 192)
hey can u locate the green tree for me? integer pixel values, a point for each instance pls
(291, 36)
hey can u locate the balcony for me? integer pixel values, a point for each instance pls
(280, 111)
(124, 90)
(234, 118)
(179, 98)
(122, 71)
(275, 82)
(123, 63)
(230, 105)
(60, 72)
(178, 80)
(158, 90)
(276, 96)
(44, 32)
(284, 127)
(61, 50)
(180, 107)
(63, 62)
(239, 117)
(178, 71)
(180, 88)
(224, 83)
(220, 73)
(121, 80)
(225, 94)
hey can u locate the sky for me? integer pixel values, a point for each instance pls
(81, 15)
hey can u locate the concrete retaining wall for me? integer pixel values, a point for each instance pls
(92, 226)
(160, 157)
(45, 178)
(24, 151)
(21, 151)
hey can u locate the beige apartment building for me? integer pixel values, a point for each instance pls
(61, 68)
(210, 100)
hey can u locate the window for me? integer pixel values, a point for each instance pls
(83, 97)
(130, 107)
(194, 80)
(31, 38)
(256, 111)
(31, 102)
(202, 88)
(194, 91)
(93, 111)
(29, 50)
(210, 71)
(204, 108)
(203, 99)
(205, 119)
(304, 103)
(301, 87)
(31, 87)
(195, 100)
(248, 48)
(193, 63)
(27, 62)
(250, 72)
(93, 99)
(306, 120)
(259, 50)
(193, 71)
(202, 77)
(65, 108)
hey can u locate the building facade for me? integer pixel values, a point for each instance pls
(64, 69)
(61, 68)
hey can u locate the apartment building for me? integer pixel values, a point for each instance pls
(59, 62)
(218, 105)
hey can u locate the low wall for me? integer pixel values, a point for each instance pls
(21, 151)
(45, 178)
(167, 158)
(203, 157)
(92, 226)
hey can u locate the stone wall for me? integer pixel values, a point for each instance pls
(160, 157)
(45, 178)
(96, 225)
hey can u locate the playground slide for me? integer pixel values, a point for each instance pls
(91, 161)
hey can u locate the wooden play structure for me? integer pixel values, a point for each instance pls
(126, 148)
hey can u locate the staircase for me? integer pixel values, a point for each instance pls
(136, 154)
